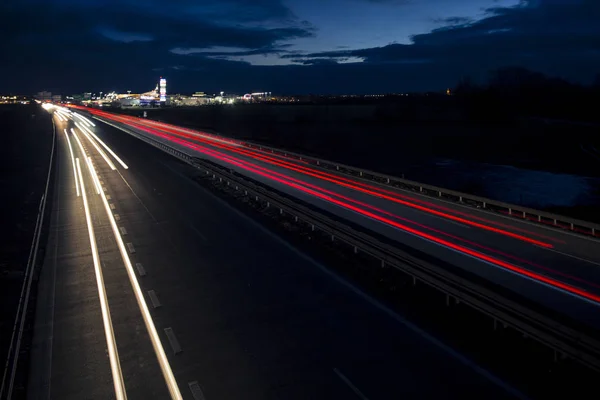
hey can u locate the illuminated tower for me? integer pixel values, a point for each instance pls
(163, 89)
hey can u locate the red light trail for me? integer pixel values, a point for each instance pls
(174, 135)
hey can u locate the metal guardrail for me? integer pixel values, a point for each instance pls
(563, 339)
(516, 211)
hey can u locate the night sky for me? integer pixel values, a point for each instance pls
(289, 46)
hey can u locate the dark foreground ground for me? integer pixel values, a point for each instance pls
(530, 161)
(26, 133)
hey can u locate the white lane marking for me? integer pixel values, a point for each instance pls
(154, 299)
(572, 256)
(462, 225)
(102, 153)
(173, 340)
(196, 390)
(81, 118)
(130, 247)
(113, 354)
(192, 227)
(347, 381)
(105, 146)
(73, 162)
(117, 217)
(112, 206)
(123, 231)
(107, 196)
(152, 332)
(140, 269)
(96, 183)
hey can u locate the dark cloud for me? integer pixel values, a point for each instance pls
(559, 37)
(76, 45)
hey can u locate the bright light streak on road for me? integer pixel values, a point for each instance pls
(94, 177)
(154, 338)
(89, 121)
(105, 146)
(62, 113)
(81, 119)
(102, 153)
(113, 354)
(73, 162)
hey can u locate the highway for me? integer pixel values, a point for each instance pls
(155, 288)
(558, 269)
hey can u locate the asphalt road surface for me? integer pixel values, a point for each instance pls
(227, 309)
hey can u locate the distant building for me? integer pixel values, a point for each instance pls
(87, 96)
(163, 89)
(13, 99)
(130, 101)
(44, 96)
(57, 98)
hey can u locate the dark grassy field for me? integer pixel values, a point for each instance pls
(26, 137)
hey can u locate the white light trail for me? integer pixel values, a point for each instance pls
(154, 338)
(59, 111)
(82, 119)
(73, 162)
(103, 154)
(104, 145)
(113, 354)
(89, 121)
